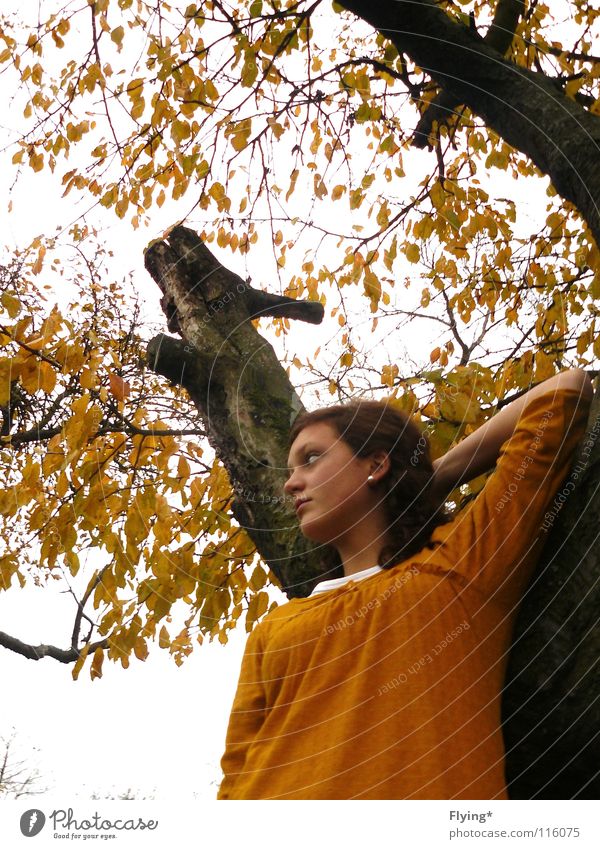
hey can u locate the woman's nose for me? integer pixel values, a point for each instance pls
(291, 484)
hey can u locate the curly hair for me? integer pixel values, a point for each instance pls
(413, 511)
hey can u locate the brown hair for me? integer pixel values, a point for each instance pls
(413, 512)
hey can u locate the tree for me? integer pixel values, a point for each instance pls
(245, 104)
(17, 776)
(89, 437)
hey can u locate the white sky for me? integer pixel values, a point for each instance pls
(155, 728)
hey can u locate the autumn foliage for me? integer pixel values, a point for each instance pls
(108, 488)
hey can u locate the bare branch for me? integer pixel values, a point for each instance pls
(38, 652)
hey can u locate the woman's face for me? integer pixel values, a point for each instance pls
(325, 472)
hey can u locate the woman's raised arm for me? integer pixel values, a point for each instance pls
(478, 452)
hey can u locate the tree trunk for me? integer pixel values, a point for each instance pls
(240, 389)
(525, 108)
(551, 708)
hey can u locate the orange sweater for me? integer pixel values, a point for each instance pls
(389, 688)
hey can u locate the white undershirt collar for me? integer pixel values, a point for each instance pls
(334, 583)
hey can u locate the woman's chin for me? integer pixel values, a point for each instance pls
(318, 532)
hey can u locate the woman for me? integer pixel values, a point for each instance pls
(385, 683)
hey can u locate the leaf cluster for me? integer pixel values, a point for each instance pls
(107, 488)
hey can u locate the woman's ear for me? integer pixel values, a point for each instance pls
(380, 464)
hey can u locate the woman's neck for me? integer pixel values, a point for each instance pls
(365, 558)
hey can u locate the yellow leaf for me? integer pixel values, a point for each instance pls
(137, 108)
(258, 579)
(96, 668)
(119, 388)
(372, 288)
(383, 216)
(277, 129)
(293, 179)
(256, 608)
(573, 86)
(459, 407)
(180, 130)
(356, 198)
(497, 159)
(37, 266)
(140, 649)
(135, 87)
(109, 197)
(164, 641)
(88, 378)
(320, 189)
(240, 134)
(249, 71)
(8, 568)
(117, 35)
(36, 161)
(11, 304)
(412, 252)
(47, 379)
(121, 207)
(79, 662)
(437, 195)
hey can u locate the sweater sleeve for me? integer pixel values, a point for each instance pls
(503, 525)
(247, 715)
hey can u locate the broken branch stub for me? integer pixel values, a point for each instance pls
(240, 389)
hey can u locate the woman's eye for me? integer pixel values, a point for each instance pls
(308, 456)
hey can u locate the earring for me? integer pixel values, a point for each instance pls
(370, 479)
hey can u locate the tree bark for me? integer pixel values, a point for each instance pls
(499, 37)
(523, 107)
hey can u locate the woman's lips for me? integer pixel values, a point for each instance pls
(301, 504)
